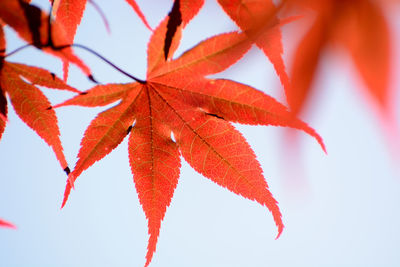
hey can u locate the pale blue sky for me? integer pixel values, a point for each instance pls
(339, 209)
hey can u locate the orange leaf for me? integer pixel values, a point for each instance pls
(361, 28)
(39, 76)
(31, 104)
(305, 65)
(366, 35)
(32, 25)
(155, 163)
(178, 100)
(100, 95)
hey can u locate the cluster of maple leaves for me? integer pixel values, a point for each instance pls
(177, 111)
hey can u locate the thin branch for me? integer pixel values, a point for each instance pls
(84, 48)
(17, 50)
(104, 59)
(51, 44)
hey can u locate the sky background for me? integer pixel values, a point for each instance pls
(340, 209)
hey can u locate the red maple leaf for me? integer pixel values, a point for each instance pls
(32, 25)
(4, 223)
(19, 81)
(68, 14)
(176, 99)
(361, 28)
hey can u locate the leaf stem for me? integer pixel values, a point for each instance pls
(84, 48)
(51, 44)
(17, 50)
(102, 58)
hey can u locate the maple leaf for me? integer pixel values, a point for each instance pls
(177, 99)
(4, 223)
(69, 13)
(258, 19)
(361, 28)
(19, 81)
(32, 25)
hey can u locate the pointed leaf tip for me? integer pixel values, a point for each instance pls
(4, 223)
(70, 184)
(67, 191)
(136, 8)
(280, 230)
(71, 180)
